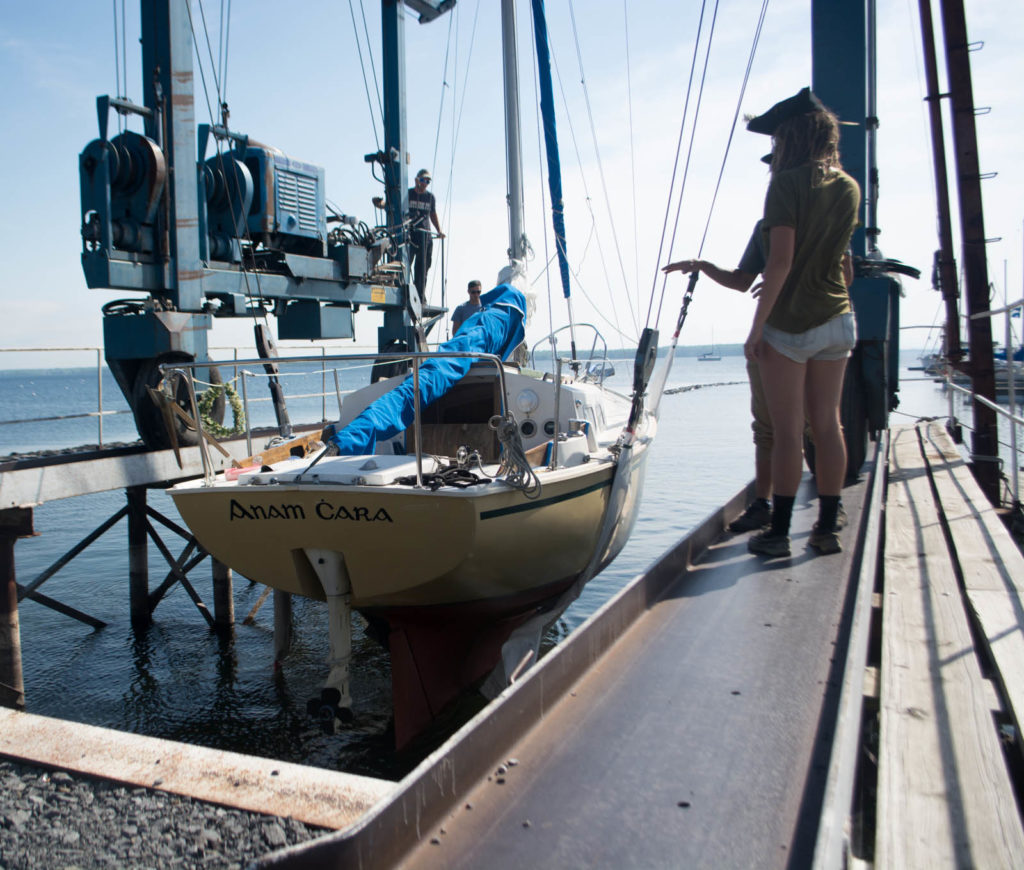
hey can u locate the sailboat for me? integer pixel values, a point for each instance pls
(458, 508)
(711, 355)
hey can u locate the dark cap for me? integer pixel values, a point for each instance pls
(799, 104)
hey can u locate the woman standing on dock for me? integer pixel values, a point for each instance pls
(804, 329)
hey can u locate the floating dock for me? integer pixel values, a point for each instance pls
(727, 710)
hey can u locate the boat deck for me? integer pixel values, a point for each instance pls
(726, 710)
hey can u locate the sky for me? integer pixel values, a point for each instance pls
(294, 80)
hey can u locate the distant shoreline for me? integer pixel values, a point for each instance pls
(682, 352)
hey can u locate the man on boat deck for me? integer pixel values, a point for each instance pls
(467, 309)
(422, 213)
(498, 328)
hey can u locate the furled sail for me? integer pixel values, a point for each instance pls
(496, 329)
(547, 108)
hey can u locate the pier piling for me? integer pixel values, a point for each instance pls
(138, 556)
(223, 602)
(282, 624)
(14, 523)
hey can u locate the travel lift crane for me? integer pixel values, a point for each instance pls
(238, 233)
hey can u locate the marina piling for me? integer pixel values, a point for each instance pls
(282, 624)
(138, 549)
(223, 602)
(14, 523)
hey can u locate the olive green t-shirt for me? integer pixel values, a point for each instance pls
(824, 215)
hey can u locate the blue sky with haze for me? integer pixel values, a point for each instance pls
(294, 81)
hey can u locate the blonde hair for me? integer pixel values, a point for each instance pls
(809, 138)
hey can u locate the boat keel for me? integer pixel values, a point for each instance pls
(335, 702)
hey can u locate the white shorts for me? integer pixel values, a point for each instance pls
(834, 339)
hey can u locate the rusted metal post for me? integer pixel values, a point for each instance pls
(223, 601)
(985, 438)
(282, 624)
(138, 556)
(14, 523)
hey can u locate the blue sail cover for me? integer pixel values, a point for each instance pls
(496, 329)
(547, 111)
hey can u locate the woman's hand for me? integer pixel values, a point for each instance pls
(752, 346)
(682, 266)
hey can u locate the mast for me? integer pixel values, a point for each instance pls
(985, 441)
(945, 263)
(513, 144)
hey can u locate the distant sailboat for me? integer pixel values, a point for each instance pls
(710, 356)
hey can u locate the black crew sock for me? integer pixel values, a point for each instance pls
(782, 513)
(828, 510)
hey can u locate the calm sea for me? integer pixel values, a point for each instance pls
(179, 680)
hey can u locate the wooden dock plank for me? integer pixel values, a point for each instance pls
(991, 565)
(944, 796)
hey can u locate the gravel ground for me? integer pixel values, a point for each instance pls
(53, 819)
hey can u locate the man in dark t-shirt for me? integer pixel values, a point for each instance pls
(422, 213)
(469, 308)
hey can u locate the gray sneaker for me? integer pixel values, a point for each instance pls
(757, 515)
(825, 541)
(766, 544)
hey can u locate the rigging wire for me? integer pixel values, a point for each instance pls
(225, 29)
(548, 257)
(258, 311)
(600, 168)
(693, 127)
(117, 60)
(632, 154)
(735, 118)
(366, 81)
(209, 51)
(124, 52)
(461, 91)
(120, 65)
(675, 170)
(433, 159)
(444, 88)
(583, 179)
(373, 63)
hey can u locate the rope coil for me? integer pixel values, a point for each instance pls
(515, 468)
